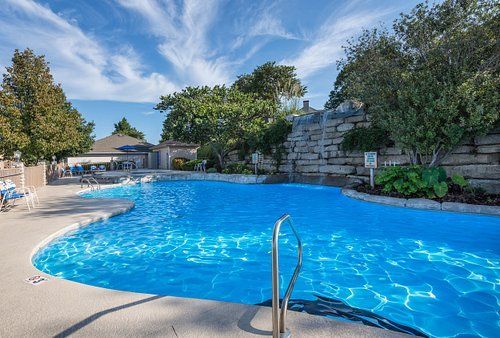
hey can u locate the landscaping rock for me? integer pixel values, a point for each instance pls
(471, 208)
(423, 203)
(337, 169)
(345, 127)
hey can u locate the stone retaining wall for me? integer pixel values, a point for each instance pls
(313, 148)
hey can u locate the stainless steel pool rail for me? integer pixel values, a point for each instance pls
(90, 183)
(279, 316)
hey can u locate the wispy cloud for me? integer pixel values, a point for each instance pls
(87, 69)
(270, 25)
(183, 37)
(325, 47)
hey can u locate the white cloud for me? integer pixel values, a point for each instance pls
(183, 34)
(86, 69)
(267, 24)
(325, 48)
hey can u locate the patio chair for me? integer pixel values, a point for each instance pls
(102, 167)
(93, 168)
(80, 170)
(10, 192)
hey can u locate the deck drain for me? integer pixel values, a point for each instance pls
(36, 280)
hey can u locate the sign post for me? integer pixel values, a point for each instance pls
(256, 159)
(371, 163)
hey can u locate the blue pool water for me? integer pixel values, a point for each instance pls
(436, 272)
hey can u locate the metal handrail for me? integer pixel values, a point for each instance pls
(279, 317)
(96, 182)
(89, 183)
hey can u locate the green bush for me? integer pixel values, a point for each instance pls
(211, 171)
(237, 168)
(417, 181)
(178, 162)
(365, 139)
(189, 165)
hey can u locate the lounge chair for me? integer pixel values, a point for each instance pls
(80, 170)
(10, 192)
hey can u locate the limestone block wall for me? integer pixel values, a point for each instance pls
(313, 148)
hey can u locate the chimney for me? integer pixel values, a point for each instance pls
(305, 106)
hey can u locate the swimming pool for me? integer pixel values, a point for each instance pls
(436, 272)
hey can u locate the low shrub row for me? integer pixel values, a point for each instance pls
(418, 181)
(421, 182)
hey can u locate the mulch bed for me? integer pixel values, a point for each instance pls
(455, 194)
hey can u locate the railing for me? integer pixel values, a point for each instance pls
(90, 183)
(279, 316)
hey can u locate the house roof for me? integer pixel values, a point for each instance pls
(307, 110)
(172, 143)
(109, 145)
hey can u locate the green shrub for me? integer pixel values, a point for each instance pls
(178, 162)
(189, 165)
(237, 168)
(211, 171)
(459, 180)
(416, 181)
(365, 139)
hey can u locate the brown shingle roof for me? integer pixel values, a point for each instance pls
(109, 145)
(172, 143)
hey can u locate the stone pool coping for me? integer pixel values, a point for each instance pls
(59, 308)
(423, 203)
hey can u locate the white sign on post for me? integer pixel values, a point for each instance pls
(371, 163)
(371, 159)
(255, 158)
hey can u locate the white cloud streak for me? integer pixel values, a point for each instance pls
(86, 69)
(325, 48)
(183, 37)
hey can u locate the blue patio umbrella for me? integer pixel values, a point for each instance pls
(127, 148)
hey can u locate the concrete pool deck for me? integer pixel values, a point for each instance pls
(59, 308)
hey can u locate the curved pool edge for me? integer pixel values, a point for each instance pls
(49, 308)
(84, 222)
(423, 203)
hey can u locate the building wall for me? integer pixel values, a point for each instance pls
(165, 158)
(313, 148)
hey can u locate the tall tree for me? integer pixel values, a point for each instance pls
(271, 81)
(35, 116)
(433, 82)
(125, 128)
(220, 116)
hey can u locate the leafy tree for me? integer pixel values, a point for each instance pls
(35, 116)
(124, 127)
(434, 81)
(220, 116)
(274, 82)
(337, 96)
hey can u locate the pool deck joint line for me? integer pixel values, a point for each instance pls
(60, 308)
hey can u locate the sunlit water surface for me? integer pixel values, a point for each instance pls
(436, 272)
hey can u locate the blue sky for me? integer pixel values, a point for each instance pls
(114, 58)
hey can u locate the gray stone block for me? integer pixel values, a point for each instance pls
(337, 160)
(356, 118)
(490, 149)
(481, 171)
(423, 203)
(471, 208)
(337, 169)
(345, 127)
(488, 139)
